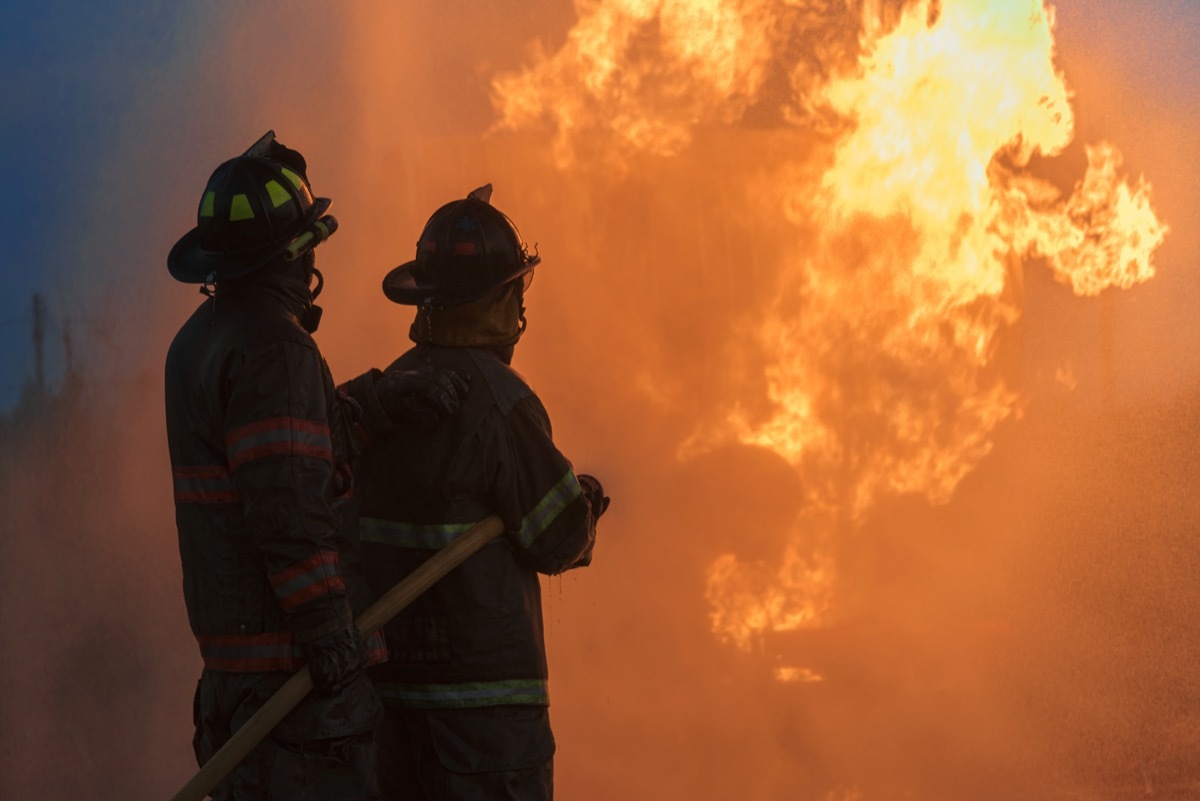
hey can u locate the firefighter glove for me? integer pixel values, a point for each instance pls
(594, 493)
(422, 397)
(336, 660)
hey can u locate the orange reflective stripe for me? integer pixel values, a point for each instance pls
(250, 653)
(278, 436)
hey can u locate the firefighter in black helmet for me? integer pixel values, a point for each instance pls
(261, 447)
(465, 687)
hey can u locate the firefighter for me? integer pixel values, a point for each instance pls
(261, 446)
(465, 688)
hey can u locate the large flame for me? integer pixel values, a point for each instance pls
(644, 72)
(883, 381)
(883, 337)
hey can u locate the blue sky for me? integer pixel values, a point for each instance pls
(69, 70)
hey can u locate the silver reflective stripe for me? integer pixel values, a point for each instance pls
(529, 692)
(548, 508)
(409, 535)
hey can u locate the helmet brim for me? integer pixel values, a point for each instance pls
(401, 286)
(190, 263)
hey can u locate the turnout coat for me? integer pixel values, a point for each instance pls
(260, 459)
(475, 638)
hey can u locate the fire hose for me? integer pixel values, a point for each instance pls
(293, 691)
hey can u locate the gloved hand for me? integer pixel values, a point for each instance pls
(594, 494)
(422, 397)
(335, 660)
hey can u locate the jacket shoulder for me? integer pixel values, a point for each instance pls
(245, 326)
(506, 384)
(273, 328)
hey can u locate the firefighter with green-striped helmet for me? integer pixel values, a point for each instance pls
(261, 445)
(257, 215)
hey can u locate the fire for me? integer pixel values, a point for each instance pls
(644, 72)
(883, 337)
(746, 599)
(1103, 236)
(792, 675)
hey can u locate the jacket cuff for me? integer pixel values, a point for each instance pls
(309, 625)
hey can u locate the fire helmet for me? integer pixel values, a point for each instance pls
(467, 248)
(252, 208)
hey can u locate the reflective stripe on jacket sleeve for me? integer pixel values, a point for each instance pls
(529, 692)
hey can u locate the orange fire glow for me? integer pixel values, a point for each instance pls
(883, 337)
(807, 263)
(644, 72)
(793, 674)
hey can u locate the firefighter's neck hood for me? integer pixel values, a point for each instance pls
(497, 319)
(290, 286)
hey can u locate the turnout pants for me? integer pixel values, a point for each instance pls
(501, 753)
(324, 750)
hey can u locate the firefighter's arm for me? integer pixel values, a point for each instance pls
(547, 514)
(378, 402)
(280, 453)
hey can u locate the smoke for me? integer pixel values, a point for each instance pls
(1026, 637)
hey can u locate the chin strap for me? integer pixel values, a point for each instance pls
(320, 281)
(311, 320)
(521, 311)
(209, 288)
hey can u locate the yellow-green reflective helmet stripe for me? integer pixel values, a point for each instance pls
(240, 209)
(206, 205)
(278, 194)
(296, 180)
